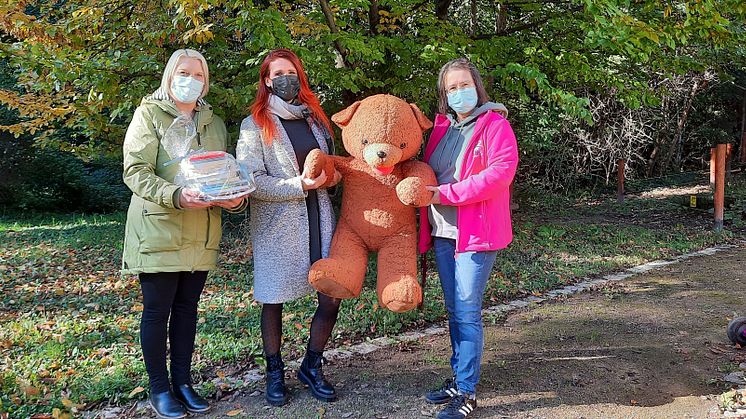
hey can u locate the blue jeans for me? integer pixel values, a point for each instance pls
(463, 277)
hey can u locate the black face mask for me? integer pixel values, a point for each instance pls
(286, 87)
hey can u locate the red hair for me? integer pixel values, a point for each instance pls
(260, 108)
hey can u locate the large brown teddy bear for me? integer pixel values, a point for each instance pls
(382, 187)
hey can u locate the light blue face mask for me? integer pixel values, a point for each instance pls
(186, 89)
(463, 100)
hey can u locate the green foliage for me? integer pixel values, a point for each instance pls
(85, 64)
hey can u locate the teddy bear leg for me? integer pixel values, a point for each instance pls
(398, 289)
(341, 275)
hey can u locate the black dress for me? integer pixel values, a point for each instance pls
(303, 141)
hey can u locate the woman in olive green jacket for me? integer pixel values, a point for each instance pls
(172, 236)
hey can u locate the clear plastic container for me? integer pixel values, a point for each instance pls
(214, 174)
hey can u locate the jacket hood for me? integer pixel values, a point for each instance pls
(487, 106)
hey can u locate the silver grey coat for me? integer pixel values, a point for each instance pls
(279, 218)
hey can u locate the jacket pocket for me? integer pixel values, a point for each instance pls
(214, 229)
(161, 228)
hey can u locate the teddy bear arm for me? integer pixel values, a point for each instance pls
(412, 189)
(416, 168)
(318, 161)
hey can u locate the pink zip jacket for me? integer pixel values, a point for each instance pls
(482, 196)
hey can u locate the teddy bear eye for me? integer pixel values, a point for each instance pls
(403, 146)
(365, 142)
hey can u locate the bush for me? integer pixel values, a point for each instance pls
(45, 180)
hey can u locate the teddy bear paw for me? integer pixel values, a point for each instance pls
(402, 296)
(412, 192)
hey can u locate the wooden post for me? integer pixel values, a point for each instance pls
(728, 159)
(743, 130)
(720, 185)
(712, 168)
(620, 181)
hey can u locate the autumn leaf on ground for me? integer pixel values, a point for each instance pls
(137, 390)
(30, 391)
(235, 412)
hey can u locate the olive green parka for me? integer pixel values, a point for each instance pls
(159, 236)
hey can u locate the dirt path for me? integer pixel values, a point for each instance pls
(653, 345)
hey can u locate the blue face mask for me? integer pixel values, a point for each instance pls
(463, 100)
(186, 89)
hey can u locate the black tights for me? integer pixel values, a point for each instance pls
(174, 295)
(321, 326)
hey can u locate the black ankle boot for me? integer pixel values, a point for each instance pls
(166, 406)
(311, 374)
(193, 402)
(277, 393)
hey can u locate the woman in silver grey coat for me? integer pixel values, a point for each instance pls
(292, 220)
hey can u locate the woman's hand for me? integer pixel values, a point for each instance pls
(436, 195)
(230, 204)
(192, 199)
(310, 182)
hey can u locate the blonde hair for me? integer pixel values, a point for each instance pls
(164, 92)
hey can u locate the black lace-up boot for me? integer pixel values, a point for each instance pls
(312, 375)
(277, 393)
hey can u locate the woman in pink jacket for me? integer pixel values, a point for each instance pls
(473, 151)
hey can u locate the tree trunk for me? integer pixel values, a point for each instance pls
(441, 9)
(501, 22)
(333, 29)
(374, 18)
(674, 151)
(473, 15)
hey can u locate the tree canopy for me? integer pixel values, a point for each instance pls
(81, 66)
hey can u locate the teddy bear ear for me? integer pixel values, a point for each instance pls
(425, 123)
(343, 117)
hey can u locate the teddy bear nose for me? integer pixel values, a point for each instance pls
(381, 154)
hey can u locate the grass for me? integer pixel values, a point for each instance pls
(69, 322)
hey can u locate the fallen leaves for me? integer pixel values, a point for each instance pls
(30, 391)
(72, 405)
(234, 412)
(137, 390)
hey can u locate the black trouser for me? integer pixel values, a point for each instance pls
(174, 295)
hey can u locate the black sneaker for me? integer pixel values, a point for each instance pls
(458, 408)
(442, 395)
